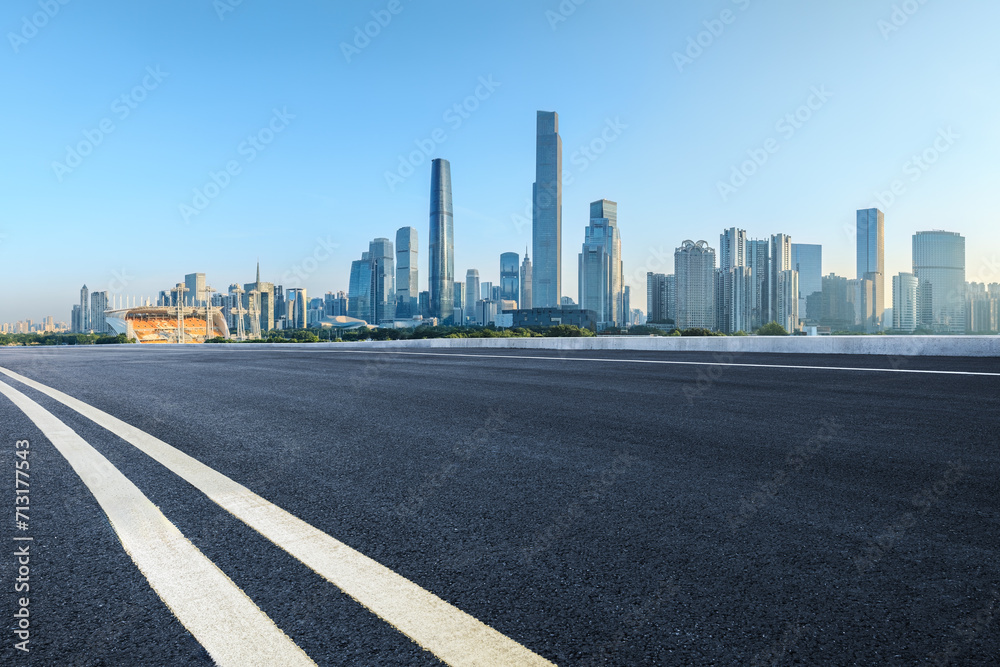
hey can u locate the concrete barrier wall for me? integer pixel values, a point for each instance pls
(916, 346)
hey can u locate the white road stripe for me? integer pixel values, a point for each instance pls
(452, 635)
(670, 362)
(199, 594)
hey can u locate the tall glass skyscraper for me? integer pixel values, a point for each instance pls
(471, 291)
(359, 290)
(383, 280)
(406, 273)
(509, 282)
(601, 281)
(807, 259)
(441, 276)
(546, 217)
(939, 265)
(871, 263)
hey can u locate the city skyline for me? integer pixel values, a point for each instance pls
(659, 142)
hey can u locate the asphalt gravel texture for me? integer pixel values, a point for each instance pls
(594, 508)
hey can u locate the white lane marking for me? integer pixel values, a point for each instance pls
(454, 636)
(199, 594)
(672, 362)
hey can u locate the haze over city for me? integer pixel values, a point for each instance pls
(649, 118)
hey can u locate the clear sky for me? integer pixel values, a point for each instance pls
(199, 77)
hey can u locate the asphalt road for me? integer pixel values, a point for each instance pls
(596, 508)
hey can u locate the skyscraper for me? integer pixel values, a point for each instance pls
(546, 217)
(600, 266)
(788, 300)
(656, 297)
(441, 272)
(759, 261)
(471, 291)
(383, 280)
(781, 260)
(905, 297)
(299, 305)
(359, 290)
(733, 299)
(526, 300)
(939, 265)
(509, 282)
(265, 300)
(98, 306)
(871, 264)
(733, 248)
(195, 296)
(807, 259)
(406, 273)
(694, 265)
(84, 310)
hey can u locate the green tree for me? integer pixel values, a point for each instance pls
(772, 329)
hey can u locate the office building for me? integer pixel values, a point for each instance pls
(837, 309)
(694, 266)
(656, 298)
(406, 273)
(459, 298)
(871, 265)
(472, 294)
(939, 265)
(546, 217)
(510, 283)
(905, 307)
(196, 295)
(807, 259)
(265, 303)
(298, 307)
(441, 274)
(601, 278)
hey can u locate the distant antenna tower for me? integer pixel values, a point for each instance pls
(179, 291)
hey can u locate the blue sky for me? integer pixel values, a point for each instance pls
(199, 80)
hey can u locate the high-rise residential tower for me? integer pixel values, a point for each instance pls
(733, 248)
(939, 265)
(406, 273)
(601, 281)
(871, 264)
(694, 266)
(781, 260)
(546, 217)
(509, 280)
(759, 261)
(526, 300)
(84, 315)
(441, 274)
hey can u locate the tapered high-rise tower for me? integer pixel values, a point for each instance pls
(871, 264)
(546, 218)
(441, 276)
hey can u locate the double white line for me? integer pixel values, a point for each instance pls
(222, 618)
